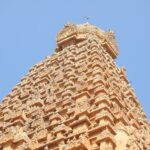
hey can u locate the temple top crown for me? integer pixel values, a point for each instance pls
(72, 32)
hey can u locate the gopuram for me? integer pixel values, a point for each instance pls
(76, 99)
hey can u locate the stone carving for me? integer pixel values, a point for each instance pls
(76, 99)
(68, 30)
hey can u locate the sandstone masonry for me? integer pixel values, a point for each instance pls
(76, 99)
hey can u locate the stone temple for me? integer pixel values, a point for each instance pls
(76, 99)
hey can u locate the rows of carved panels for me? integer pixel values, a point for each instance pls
(76, 93)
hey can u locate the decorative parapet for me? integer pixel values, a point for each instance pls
(72, 33)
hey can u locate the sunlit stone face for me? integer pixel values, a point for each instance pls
(76, 99)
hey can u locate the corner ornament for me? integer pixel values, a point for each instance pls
(68, 30)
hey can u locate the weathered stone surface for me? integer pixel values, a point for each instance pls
(76, 99)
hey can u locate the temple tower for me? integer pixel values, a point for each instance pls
(76, 99)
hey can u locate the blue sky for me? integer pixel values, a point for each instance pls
(28, 29)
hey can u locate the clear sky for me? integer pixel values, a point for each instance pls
(28, 29)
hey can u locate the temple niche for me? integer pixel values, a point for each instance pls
(122, 139)
(76, 99)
